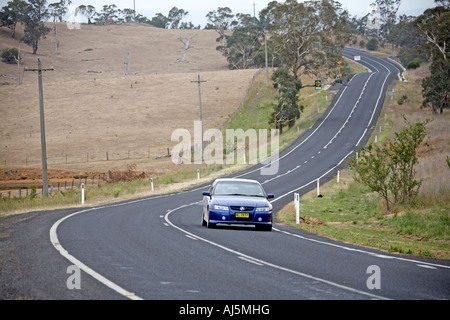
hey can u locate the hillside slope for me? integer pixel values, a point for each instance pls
(104, 48)
(129, 116)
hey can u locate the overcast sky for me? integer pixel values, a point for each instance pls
(199, 8)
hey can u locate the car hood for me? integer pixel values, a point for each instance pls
(241, 201)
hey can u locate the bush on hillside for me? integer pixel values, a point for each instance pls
(9, 55)
(372, 44)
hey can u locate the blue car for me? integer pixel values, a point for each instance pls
(237, 202)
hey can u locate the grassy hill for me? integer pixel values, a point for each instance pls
(93, 111)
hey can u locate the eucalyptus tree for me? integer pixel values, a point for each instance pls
(12, 14)
(36, 12)
(285, 107)
(244, 47)
(221, 20)
(175, 17)
(434, 24)
(388, 12)
(59, 9)
(87, 11)
(306, 34)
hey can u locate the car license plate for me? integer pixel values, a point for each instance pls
(242, 215)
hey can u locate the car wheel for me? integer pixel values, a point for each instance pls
(210, 225)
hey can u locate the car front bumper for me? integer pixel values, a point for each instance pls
(262, 218)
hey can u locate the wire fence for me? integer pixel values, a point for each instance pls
(26, 189)
(85, 157)
(137, 153)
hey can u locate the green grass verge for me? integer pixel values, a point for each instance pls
(351, 213)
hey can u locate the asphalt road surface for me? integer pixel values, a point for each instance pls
(156, 249)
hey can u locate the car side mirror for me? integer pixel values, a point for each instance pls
(206, 193)
(270, 196)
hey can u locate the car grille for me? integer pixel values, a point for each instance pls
(238, 208)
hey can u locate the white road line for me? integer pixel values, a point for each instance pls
(250, 260)
(312, 181)
(82, 266)
(55, 241)
(262, 262)
(306, 139)
(426, 266)
(382, 256)
(351, 112)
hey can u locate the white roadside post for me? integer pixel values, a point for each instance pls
(151, 181)
(318, 187)
(297, 207)
(338, 173)
(82, 193)
(198, 174)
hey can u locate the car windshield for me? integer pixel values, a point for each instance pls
(238, 188)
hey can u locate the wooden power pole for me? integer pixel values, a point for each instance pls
(199, 82)
(39, 71)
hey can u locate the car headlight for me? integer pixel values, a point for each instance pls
(223, 208)
(263, 209)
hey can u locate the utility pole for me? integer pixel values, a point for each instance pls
(267, 67)
(39, 71)
(200, 110)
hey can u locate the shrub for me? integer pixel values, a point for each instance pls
(413, 64)
(402, 99)
(129, 174)
(9, 55)
(372, 44)
(389, 169)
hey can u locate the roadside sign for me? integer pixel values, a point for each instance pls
(318, 84)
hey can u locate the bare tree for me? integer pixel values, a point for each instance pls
(186, 46)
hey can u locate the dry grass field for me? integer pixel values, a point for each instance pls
(432, 167)
(94, 111)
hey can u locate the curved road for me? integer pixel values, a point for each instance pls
(155, 248)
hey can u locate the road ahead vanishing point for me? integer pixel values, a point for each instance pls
(156, 248)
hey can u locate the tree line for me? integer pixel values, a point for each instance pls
(302, 37)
